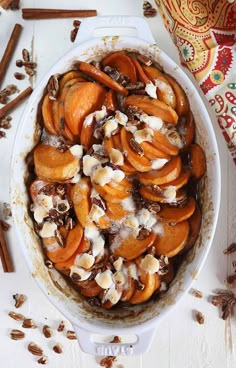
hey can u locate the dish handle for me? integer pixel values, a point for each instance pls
(88, 344)
(107, 23)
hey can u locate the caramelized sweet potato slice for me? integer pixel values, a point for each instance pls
(126, 167)
(52, 165)
(165, 92)
(178, 214)
(152, 152)
(86, 135)
(195, 225)
(169, 172)
(180, 181)
(153, 107)
(69, 76)
(80, 101)
(111, 194)
(115, 211)
(182, 103)
(92, 289)
(151, 282)
(131, 247)
(47, 115)
(173, 239)
(101, 77)
(80, 196)
(122, 63)
(149, 193)
(140, 72)
(140, 163)
(186, 127)
(162, 143)
(72, 244)
(197, 161)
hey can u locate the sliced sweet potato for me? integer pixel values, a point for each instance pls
(180, 181)
(173, 239)
(186, 127)
(161, 142)
(131, 247)
(195, 225)
(80, 101)
(47, 115)
(197, 161)
(115, 211)
(153, 107)
(52, 165)
(140, 72)
(86, 135)
(169, 172)
(151, 282)
(152, 152)
(69, 76)
(92, 289)
(72, 244)
(80, 196)
(126, 167)
(111, 101)
(149, 193)
(182, 103)
(111, 194)
(165, 92)
(122, 63)
(178, 214)
(140, 163)
(101, 77)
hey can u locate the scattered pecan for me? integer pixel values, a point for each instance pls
(196, 293)
(108, 361)
(53, 87)
(76, 23)
(133, 112)
(148, 10)
(226, 300)
(138, 285)
(57, 348)
(151, 250)
(27, 64)
(61, 326)
(136, 147)
(16, 316)
(71, 335)
(73, 34)
(153, 207)
(94, 302)
(200, 317)
(15, 5)
(144, 59)
(19, 76)
(6, 92)
(2, 134)
(59, 238)
(19, 300)
(135, 86)
(99, 202)
(35, 349)
(116, 75)
(25, 55)
(5, 122)
(43, 360)
(116, 340)
(28, 323)
(230, 249)
(17, 334)
(147, 5)
(47, 331)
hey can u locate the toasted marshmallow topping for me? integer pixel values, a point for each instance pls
(131, 222)
(144, 135)
(150, 264)
(77, 150)
(90, 164)
(158, 163)
(132, 129)
(98, 115)
(45, 201)
(119, 278)
(76, 178)
(152, 121)
(128, 204)
(112, 295)
(98, 148)
(91, 233)
(48, 230)
(151, 90)
(82, 274)
(84, 260)
(96, 212)
(116, 157)
(118, 175)
(39, 213)
(104, 279)
(121, 118)
(109, 127)
(118, 264)
(102, 175)
(170, 194)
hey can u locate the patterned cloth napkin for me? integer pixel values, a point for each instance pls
(205, 33)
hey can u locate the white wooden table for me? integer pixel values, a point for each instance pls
(180, 342)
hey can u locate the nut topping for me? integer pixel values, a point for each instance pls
(43, 360)
(61, 326)
(136, 147)
(53, 87)
(200, 318)
(71, 335)
(28, 323)
(19, 300)
(16, 316)
(47, 331)
(35, 349)
(17, 335)
(57, 348)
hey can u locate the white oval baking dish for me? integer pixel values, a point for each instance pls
(142, 320)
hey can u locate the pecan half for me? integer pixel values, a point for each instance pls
(136, 147)
(28, 323)
(47, 331)
(143, 234)
(196, 293)
(71, 335)
(108, 361)
(230, 249)
(17, 335)
(61, 326)
(53, 87)
(19, 300)
(57, 348)
(43, 360)
(35, 349)
(16, 316)
(200, 317)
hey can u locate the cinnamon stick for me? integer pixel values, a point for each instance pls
(37, 13)
(9, 50)
(12, 104)
(4, 254)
